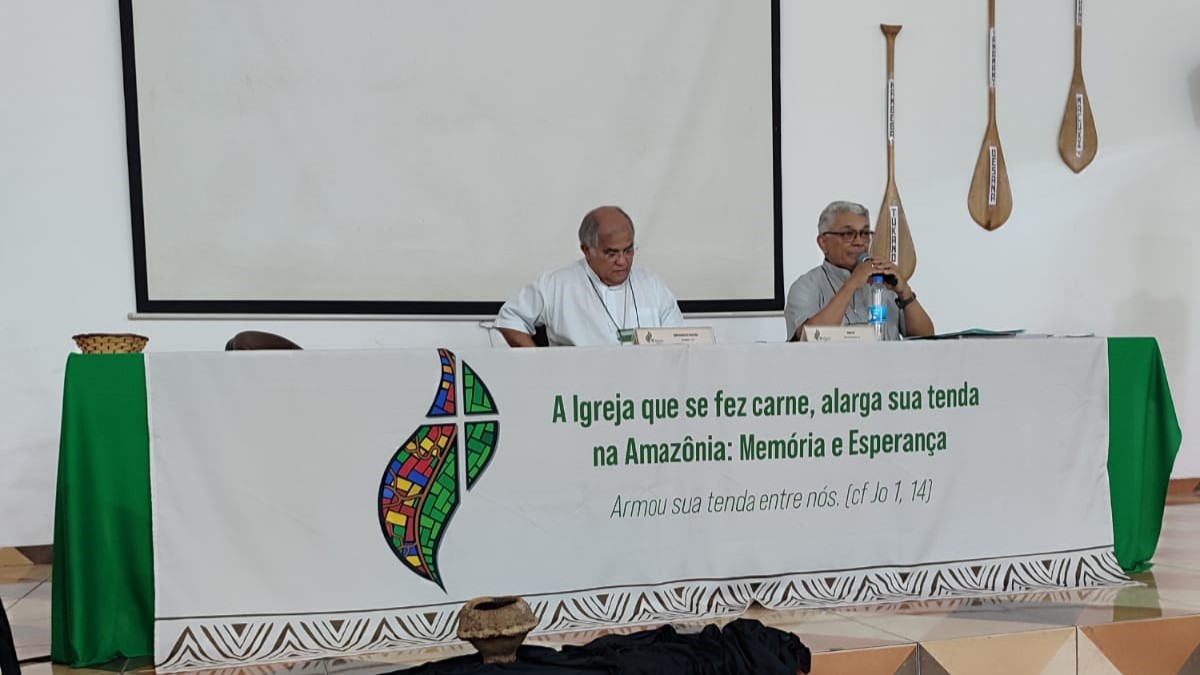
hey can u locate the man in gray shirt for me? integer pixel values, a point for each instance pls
(836, 293)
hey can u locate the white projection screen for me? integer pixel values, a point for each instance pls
(420, 157)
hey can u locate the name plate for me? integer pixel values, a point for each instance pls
(701, 335)
(837, 334)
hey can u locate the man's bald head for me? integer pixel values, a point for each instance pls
(609, 217)
(606, 239)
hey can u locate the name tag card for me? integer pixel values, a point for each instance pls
(702, 335)
(837, 334)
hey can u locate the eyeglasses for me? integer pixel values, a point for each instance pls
(613, 254)
(851, 235)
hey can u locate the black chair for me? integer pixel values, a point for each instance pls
(257, 339)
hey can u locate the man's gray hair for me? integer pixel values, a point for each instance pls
(834, 208)
(589, 229)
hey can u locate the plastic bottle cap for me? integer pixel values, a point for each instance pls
(877, 278)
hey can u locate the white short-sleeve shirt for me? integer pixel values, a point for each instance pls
(579, 309)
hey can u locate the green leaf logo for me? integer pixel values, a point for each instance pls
(420, 490)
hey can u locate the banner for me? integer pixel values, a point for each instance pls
(316, 503)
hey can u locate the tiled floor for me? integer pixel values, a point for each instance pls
(1150, 629)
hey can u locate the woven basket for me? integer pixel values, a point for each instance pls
(110, 343)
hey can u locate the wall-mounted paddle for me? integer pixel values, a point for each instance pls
(1077, 141)
(893, 240)
(990, 198)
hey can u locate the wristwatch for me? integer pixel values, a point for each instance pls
(902, 303)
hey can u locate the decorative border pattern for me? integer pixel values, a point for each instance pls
(195, 644)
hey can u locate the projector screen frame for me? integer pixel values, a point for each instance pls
(147, 306)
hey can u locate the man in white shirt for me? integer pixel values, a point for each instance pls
(596, 300)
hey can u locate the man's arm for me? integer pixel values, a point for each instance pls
(832, 313)
(516, 338)
(916, 320)
(518, 318)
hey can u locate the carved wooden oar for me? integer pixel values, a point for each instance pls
(893, 240)
(990, 198)
(1077, 142)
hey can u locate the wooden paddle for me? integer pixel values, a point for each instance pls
(990, 198)
(893, 240)
(1077, 139)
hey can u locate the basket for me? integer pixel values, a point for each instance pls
(110, 343)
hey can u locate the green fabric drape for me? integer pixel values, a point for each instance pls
(103, 590)
(1143, 439)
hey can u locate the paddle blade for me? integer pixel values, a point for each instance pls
(990, 198)
(893, 240)
(1077, 140)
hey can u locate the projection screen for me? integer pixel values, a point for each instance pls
(414, 157)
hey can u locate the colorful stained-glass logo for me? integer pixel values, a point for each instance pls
(421, 488)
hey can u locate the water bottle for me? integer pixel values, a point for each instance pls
(877, 311)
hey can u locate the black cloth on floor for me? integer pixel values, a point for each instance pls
(743, 647)
(8, 650)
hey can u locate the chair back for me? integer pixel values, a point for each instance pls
(257, 339)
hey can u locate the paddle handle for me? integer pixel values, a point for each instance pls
(890, 32)
(1078, 36)
(991, 62)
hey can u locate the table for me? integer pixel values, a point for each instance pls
(104, 598)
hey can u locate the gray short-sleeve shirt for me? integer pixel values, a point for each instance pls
(814, 289)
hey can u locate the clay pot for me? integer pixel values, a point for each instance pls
(496, 626)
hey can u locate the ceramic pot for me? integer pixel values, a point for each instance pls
(496, 626)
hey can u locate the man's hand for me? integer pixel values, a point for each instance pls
(862, 272)
(891, 272)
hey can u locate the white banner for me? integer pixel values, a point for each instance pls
(309, 503)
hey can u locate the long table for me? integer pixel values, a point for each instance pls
(560, 414)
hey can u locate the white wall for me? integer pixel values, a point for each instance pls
(1109, 251)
